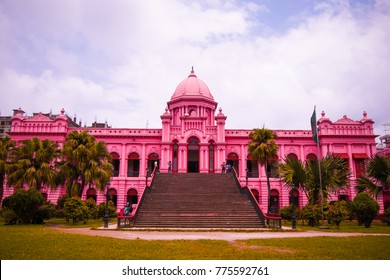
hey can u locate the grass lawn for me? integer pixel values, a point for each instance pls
(36, 242)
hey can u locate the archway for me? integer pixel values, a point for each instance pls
(91, 193)
(232, 159)
(115, 163)
(252, 167)
(193, 155)
(133, 165)
(211, 157)
(152, 158)
(175, 156)
(132, 196)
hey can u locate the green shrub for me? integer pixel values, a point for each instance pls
(61, 201)
(25, 204)
(93, 209)
(286, 213)
(111, 209)
(337, 212)
(10, 217)
(76, 210)
(366, 208)
(312, 213)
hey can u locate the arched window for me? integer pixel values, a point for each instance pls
(133, 165)
(91, 193)
(152, 158)
(252, 167)
(292, 157)
(115, 163)
(311, 158)
(211, 157)
(272, 167)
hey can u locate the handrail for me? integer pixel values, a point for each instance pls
(148, 188)
(272, 221)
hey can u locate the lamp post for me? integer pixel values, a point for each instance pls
(108, 197)
(293, 216)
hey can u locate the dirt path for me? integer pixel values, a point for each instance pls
(196, 235)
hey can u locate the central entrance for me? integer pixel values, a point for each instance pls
(193, 155)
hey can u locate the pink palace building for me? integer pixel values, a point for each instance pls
(194, 138)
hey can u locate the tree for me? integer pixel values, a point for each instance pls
(6, 146)
(337, 212)
(293, 173)
(263, 148)
(334, 176)
(85, 162)
(366, 208)
(32, 164)
(76, 210)
(377, 175)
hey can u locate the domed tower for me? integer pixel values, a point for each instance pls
(189, 127)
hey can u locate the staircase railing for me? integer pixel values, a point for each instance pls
(272, 221)
(124, 221)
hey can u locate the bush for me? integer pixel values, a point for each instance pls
(111, 209)
(61, 201)
(366, 208)
(93, 209)
(44, 212)
(76, 210)
(337, 212)
(25, 204)
(10, 217)
(286, 213)
(312, 213)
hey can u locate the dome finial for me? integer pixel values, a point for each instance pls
(192, 69)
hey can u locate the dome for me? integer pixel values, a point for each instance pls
(192, 87)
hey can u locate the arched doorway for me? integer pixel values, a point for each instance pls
(252, 167)
(193, 155)
(274, 202)
(115, 163)
(133, 165)
(151, 159)
(232, 159)
(91, 193)
(292, 156)
(132, 196)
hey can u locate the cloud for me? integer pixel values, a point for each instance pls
(122, 61)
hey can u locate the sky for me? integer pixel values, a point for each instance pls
(266, 62)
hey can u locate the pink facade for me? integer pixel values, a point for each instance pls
(193, 137)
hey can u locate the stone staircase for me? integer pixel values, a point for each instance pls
(193, 200)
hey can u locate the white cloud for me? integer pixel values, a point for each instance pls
(122, 61)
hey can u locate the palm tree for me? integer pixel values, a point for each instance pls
(32, 164)
(85, 162)
(263, 148)
(6, 146)
(377, 176)
(293, 174)
(334, 176)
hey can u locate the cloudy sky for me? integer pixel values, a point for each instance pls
(266, 62)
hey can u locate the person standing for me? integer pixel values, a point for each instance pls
(169, 166)
(223, 166)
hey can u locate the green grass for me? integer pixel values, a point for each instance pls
(27, 242)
